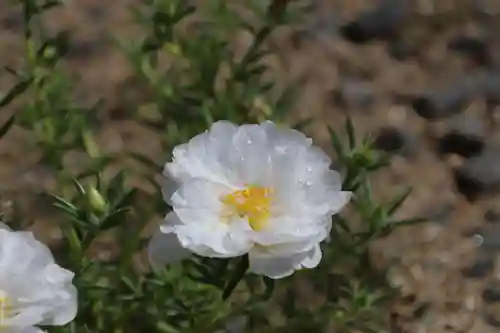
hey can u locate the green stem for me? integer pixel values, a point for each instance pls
(238, 274)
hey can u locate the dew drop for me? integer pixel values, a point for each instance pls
(478, 240)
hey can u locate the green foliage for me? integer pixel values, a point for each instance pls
(190, 75)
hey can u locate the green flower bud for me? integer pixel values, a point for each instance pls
(91, 146)
(96, 201)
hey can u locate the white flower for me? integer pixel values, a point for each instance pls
(33, 289)
(257, 189)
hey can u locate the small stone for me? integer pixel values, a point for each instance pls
(13, 21)
(409, 299)
(395, 140)
(491, 320)
(354, 94)
(490, 88)
(491, 294)
(473, 47)
(480, 174)
(480, 269)
(489, 238)
(82, 50)
(492, 216)
(442, 104)
(421, 310)
(400, 49)
(454, 161)
(466, 136)
(381, 22)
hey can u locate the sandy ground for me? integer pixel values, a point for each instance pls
(450, 278)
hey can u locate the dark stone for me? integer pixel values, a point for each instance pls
(299, 36)
(13, 21)
(394, 140)
(492, 216)
(420, 311)
(409, 299)
(466, 136)
(489, 238)
(480, 269)
(381, 22)
(491, 319)
(472, 47)
(479, 175)
(400, 49)
(491, 294)
(442, 104)
(490, 88)
(83, 49)
(389, 139)
(454, 98)
(354, 94)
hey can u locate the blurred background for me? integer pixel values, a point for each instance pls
(422, 76)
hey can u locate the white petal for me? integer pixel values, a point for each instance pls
(218, 240)
(4, 226)
(313, 258)
(277, 267)
(199, 194)
(287, 230)
(170, 223)
(31, 329)
(283, 138)
(168, 188)
(205, 156)
(164, 249)
(251, 156)
(273, 267)
(40, 290)
(66, 311)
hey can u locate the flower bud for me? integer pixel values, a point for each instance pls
(96, 201)
(91, 146)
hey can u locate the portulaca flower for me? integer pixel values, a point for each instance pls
(33, 289)
(260, 190)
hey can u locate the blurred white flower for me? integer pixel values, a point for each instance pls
(257, 189)
(34, 290)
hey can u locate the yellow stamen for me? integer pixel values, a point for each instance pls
(5, 308)
(252, 202)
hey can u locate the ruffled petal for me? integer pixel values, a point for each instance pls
(164, 249)
(277, 267)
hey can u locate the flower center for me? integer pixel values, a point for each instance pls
(5, 308)
(252, 202)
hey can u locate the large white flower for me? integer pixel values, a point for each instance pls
(34, 290)
(257, 189)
